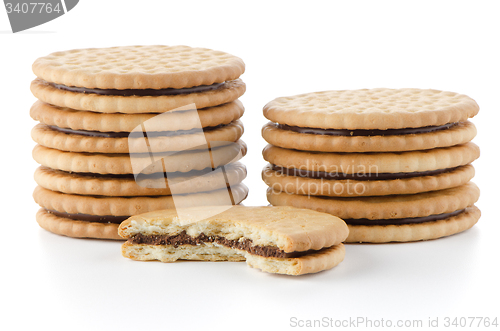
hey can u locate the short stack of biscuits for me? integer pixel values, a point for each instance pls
(395, 164)
(121, 127)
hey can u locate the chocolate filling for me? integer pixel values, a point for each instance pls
(110, 218)
(157, 175)
(184, 239)
(353, 133)
(138, 134)
(139, 92)
(356, 176)
(399, 221)
(90, 218)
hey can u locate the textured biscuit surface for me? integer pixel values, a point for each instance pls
(290, 229)
(121, 164)
(352, 188)
(138, 67)
(412, 161)
(74, 183)
(49, 137)
(126, 206)
(116, 122)
(325, 259)
(322, 260)
(414, 232)
(384, 207)
(379, 108)
(461, 133)
(76, 229)
(230, 91)
(169, 253)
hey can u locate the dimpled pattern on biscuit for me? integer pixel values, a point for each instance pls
(457, 134)
(379, 108)
(113, 163)
(126, 206)
(384, 207)
(48, 137)
(412, 161)
(353, 188)
(76, 229)
(290, 229)
(138, 67)
(230, 91)
(75, 183)
(414, 232)
(116, 122)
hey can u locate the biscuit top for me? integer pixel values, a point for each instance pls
(367, 109)
(288, 228)
(138, 67)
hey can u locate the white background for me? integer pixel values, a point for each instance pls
(49, 281)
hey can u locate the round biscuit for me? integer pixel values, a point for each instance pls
(127, 206)
(414, 232)
(229, 92)
(362, 163)
(366, 109)
(384, 207)
(121, 163)
(116, 122)
(138, 67)
(74, 183)
(281, 182)
(461, 133)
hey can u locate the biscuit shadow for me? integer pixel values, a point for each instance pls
(355, 264)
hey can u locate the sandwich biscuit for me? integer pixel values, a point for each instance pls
(370, 120)
(282, 240)
(138, 79)
(60, 210)
(405, 217)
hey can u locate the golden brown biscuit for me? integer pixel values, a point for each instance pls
(457, 134)
(45, 92)
(275, 239)
(116, 122)
(373, 163)
(282, 182)
(170, 141)
(139, 67)
(108, 185)
(384, 207)
(414, 232)
(378, 109)
(120, 163)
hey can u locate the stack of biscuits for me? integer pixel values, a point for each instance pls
(128, 130)
(395, 164)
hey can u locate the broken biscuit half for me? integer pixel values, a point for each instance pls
(283, 240)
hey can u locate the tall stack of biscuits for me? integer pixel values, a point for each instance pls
(127, 130)
(395, 164)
